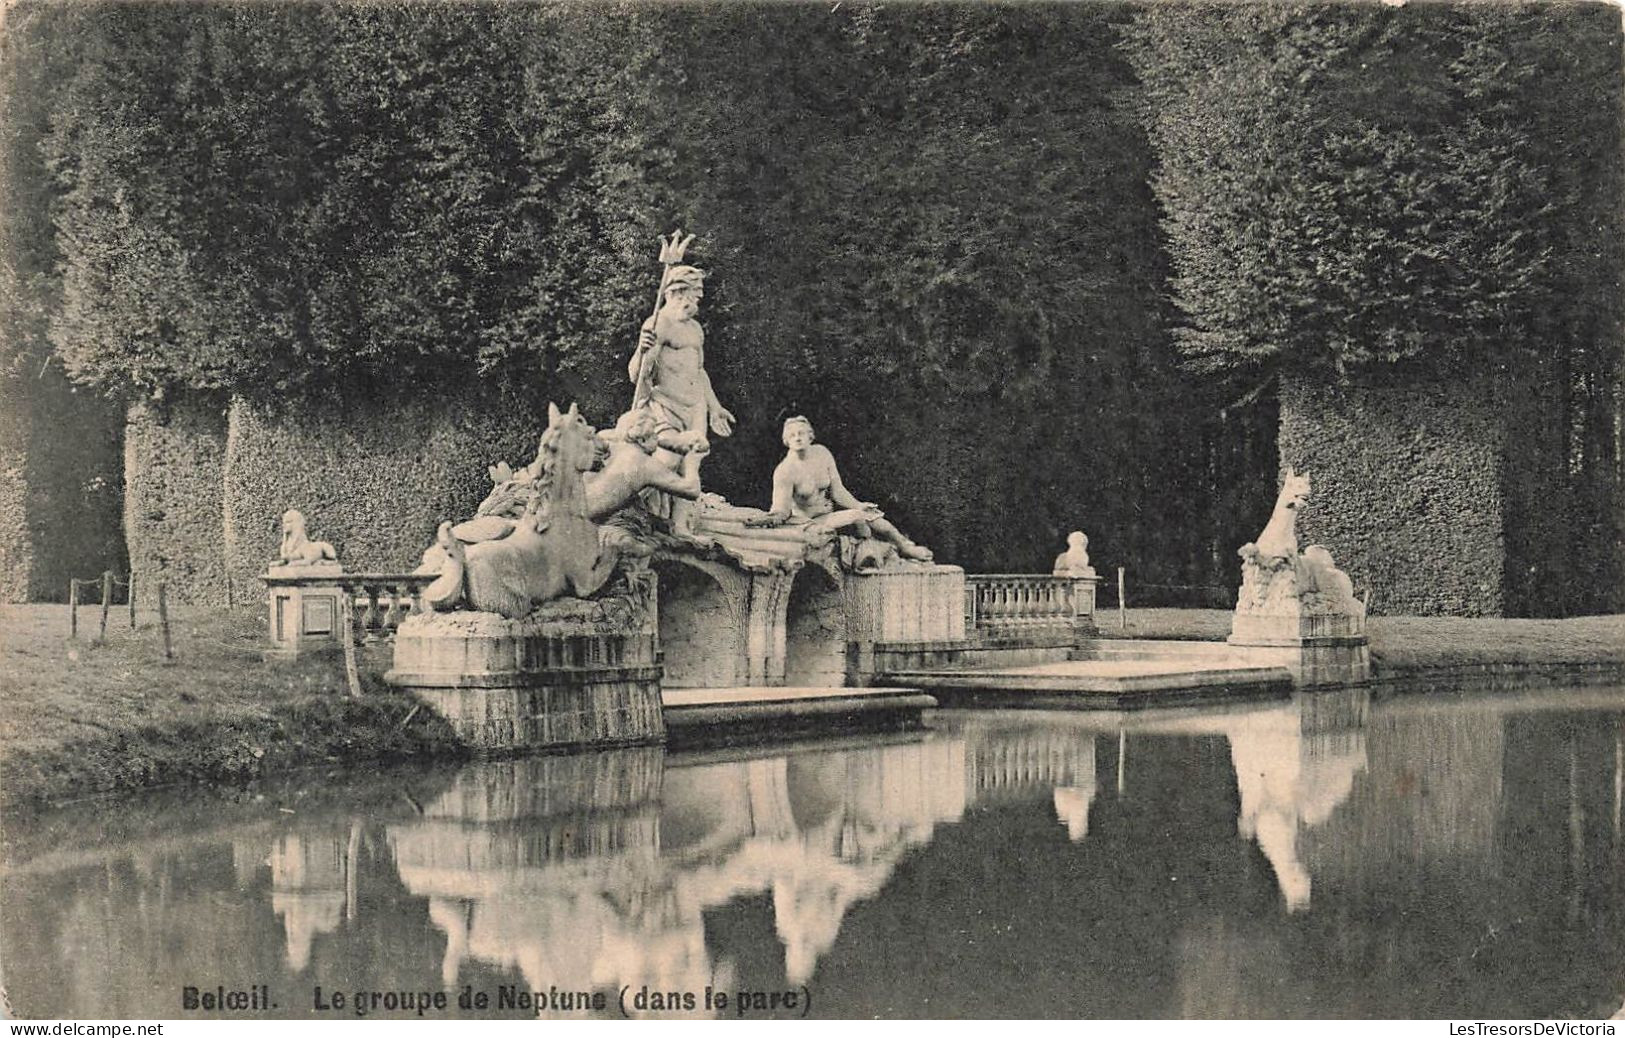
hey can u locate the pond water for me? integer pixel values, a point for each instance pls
(1326, 857)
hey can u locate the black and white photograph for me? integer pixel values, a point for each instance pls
(736, 510)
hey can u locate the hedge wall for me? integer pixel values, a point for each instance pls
(962, 288)
(59, 486)
(930, 227)
(17, 546)
(373, 477)
(1406, 478)
(174, 461)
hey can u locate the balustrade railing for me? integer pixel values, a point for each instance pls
(380, 600)
(1014, 604)
(399, 594)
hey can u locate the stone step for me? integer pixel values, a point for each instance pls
(1152, 649)
(1112, 684)
(743, 714)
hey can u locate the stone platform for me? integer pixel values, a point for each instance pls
(712, 716)
(1157, 677)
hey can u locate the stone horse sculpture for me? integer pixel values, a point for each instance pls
(1277, 580)
(1279, 541)
(553, 549)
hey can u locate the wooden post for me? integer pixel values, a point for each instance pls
(129, 587)
(73, 608)
(369, 619)
(1122, 756)
(352, 674)
(107, 602)
(1122, 605)
(163, 620)
(352, 854)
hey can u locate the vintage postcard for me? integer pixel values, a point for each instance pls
(816, 510)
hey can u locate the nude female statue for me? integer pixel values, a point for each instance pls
(807, 487)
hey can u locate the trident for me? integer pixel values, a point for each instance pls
(672, 251)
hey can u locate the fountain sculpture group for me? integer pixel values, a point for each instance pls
(600, 571)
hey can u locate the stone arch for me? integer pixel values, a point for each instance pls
(815, 630)
(701, 617)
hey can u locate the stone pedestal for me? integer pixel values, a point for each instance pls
(906, 604)
(1318, 648)
(303, 618)
(571, 674)
(1298, 611)
(834, 622)
(917, 606)
(1083, 606)
(1312, 661)
(1293, 628)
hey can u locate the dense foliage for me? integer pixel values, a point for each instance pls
(1370, 195)
(1346, 184)
(933, 228)
(269, 198)
(929, 229)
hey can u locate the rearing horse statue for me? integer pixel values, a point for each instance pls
(1279, 541)
(552, 551)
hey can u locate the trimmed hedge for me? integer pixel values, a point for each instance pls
(372, 477)
(59, 487)
(1406, 487)
(964, 288)
(17, 550)
(174, 457)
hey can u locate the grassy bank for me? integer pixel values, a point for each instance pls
(1401, 644)
(79, 718)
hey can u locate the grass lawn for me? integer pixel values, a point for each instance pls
(1418, 642)
(78, 717)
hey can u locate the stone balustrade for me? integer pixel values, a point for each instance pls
(383, 600)
(1009, 605)
(306, 608)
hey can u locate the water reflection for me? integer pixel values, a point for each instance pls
(1320, 857)
(312, 887)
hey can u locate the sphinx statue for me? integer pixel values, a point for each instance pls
(1074, 562)
(299, 552)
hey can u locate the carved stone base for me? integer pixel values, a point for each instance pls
(906, 604)
(1293, 628)
(1299, 613)
(835, 623)
(1312, 661)
(916, 605)
(599, 706)
(303, 619)
(571, 674)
